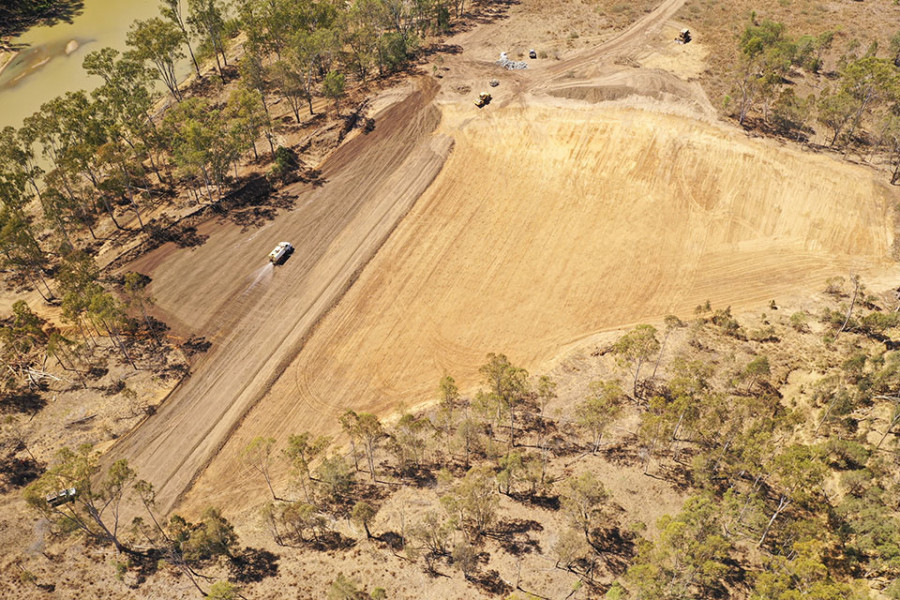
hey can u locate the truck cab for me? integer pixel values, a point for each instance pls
(280, 252)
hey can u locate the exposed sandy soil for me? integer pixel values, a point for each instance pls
(255, 315)
(590, 194)
(556, 218)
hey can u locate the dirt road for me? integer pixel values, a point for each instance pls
(256, 315)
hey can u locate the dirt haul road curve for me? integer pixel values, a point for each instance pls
(257, 318)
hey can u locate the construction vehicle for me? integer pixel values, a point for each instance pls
(532, 54)
(61, 497)
(684, 37)
(483, 100)
(280, 252)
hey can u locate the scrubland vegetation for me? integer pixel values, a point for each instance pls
(779, 434)
(775, 434)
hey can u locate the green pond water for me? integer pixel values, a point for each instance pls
(50, 65)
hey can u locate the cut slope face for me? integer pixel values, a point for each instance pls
(547, 224)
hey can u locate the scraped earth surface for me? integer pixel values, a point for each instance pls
(255, 314)
(589, 195)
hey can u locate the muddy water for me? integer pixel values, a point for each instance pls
(50, 65)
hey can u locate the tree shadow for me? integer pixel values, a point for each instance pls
(17, 472)
(182, 234)
(391, 539)
(145, 564)
(420, 476)
(512, 535)
(491, 583)
(545, 502)
(253, 203)
(331, 540)
(626, 453)
(617, 549)
(253, 565)
(22, 401)
(195, 345)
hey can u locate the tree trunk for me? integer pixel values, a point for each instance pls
(370, 455)
(661, 349)
(782, 504)
(850, 310)
(888, 430)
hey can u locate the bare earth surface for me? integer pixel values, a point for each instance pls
(591, 194)
(255, 315)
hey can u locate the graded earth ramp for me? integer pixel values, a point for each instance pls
(256, 316)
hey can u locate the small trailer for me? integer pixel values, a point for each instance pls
(280, 252)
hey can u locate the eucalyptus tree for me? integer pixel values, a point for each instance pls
(21, 339)
(294, 86)
(602, 406)
(107, 311)
(82, 128)
(172, 10)
(199, 142)
(360, 34)
(159, 42)
(62, 208)
(17, 161)
(207, 20)
(127, 99)
(21, 251)
(302, 59)
(253, 74)
(94, 506)
(247, 119)
(635, 348)
(120, 171)
(508, 388)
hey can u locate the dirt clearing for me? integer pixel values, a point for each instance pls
(256, 317)
(563, 211)
(556, 221)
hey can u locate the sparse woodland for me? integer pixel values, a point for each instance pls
(796, 71)
(781, 436)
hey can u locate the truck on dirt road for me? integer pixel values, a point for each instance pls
(280, 252)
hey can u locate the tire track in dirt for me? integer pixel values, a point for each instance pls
(258, 328)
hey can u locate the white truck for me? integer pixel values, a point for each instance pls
(280, 252)
(61, 497)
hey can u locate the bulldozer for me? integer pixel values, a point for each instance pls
(483, 100)
(684, 37)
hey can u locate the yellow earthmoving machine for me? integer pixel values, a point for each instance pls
(483, 100)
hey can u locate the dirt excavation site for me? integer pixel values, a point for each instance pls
(594, 192)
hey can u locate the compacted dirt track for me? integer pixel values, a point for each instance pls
(257, 315)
